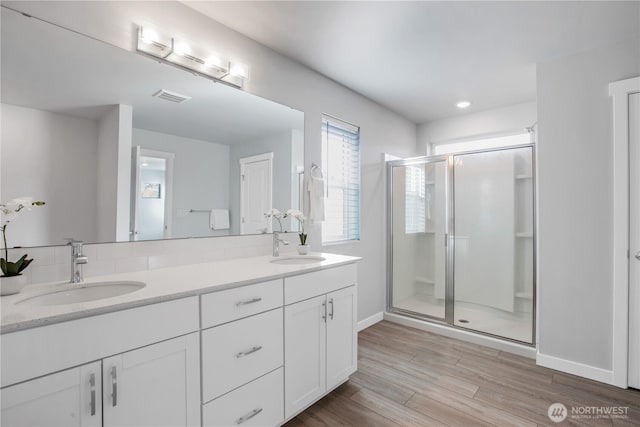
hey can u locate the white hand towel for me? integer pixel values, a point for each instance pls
(316, 198)
(219, 219)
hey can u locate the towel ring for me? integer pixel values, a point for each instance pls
(315, 167)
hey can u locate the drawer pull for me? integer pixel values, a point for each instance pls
(92, 389)
(248, 352)
(114, 387)
(248, 301)
(249, 416)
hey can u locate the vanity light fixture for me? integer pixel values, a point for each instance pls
(184, 55)
(463, 104)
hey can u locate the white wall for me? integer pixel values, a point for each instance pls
(500, 120)
(274, 77)
(575, 202)
(114, 174)
(200, 179)
(53, 158)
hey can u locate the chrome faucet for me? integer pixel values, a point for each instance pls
(77, 259)
(276, 243)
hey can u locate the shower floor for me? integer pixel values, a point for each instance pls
(516, 325)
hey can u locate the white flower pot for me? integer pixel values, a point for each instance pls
(303, 249)
(10, 285)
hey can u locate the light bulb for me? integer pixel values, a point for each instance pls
(182, 49)
(149, 36)
(463, 104)
(213, 61)
(239, 70)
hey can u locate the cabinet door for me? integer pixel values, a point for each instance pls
(156, 385)
(342, 339)
(304, 353)
(66, 399)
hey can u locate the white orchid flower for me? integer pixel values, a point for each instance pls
(273, 213)
(295, 214)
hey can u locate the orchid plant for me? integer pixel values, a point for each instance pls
(300, 217)
(275, 213)
(9, 212)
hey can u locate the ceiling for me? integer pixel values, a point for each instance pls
(420, 58)
(49, 68)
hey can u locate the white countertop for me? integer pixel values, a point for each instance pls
(162, 284)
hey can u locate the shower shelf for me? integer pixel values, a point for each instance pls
(524, 295)
(424, 280)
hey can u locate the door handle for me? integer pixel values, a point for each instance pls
(638, 255)
(331, 312)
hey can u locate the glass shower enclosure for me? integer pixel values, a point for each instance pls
(461, 240)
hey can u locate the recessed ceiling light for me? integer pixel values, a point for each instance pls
(463, 104)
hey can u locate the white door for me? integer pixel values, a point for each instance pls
(304, 353)
(152, 194)
(156, 385)
(66, 399)
(256, 193)
(634, 240)
(342, 338)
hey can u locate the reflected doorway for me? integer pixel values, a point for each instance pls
(152, 187)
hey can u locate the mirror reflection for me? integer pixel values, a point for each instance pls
(124, 148)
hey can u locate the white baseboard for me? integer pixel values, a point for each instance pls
(370, 321)
(575, 368)
(509, 347)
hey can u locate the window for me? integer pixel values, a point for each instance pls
(415, 200)
(341, 167)
(481, 144)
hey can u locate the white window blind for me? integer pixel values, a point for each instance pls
(415, 200)
(341, 167)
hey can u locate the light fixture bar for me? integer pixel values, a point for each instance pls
(180, 55)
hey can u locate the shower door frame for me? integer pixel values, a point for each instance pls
(450, 240)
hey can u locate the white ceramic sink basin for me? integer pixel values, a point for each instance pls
(298, 260)
(89, 292)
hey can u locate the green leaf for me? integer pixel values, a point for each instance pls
(24, 265)
(15, 268)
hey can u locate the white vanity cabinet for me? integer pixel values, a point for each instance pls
(320, 334)
(252, 355)
(70, 398)
(155, 384)
(242, 356)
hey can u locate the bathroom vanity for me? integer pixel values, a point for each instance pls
(238, 342)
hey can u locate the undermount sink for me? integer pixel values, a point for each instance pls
(298, 260)
(89, 292)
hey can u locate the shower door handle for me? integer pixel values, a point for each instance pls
(637, 255)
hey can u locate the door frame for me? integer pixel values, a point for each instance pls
(620, 92)
(254, 159)
(138, 152)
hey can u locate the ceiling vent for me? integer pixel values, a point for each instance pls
(167, 95)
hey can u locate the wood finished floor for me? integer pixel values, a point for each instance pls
(408, 377)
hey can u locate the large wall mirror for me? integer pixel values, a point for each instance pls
(123, 148)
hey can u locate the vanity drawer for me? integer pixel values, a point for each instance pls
(305, 286)
(231, 304)
(262, 397)
(238, 352)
